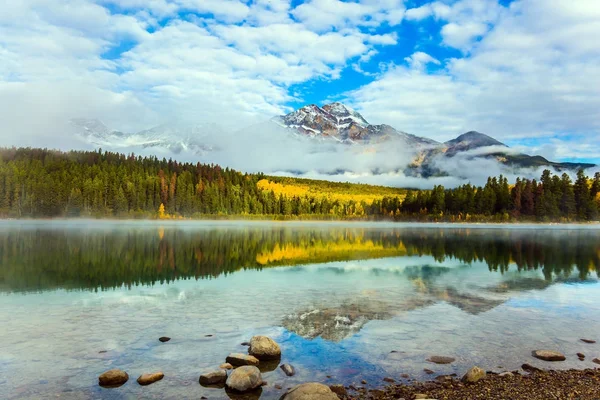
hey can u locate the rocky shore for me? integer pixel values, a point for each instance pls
(241, 374)
(535, 385)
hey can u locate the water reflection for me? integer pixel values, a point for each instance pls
(38, 258)
(339, 299)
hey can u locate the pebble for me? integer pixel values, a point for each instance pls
(589, 341)
(164, 339)
(288, 369)
(147, 379)
(340, 390)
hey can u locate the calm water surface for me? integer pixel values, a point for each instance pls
(338, 297)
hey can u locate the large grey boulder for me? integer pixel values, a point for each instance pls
(264, 348)
(244, 379)
(310, 391)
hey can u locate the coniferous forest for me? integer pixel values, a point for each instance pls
(37, 183)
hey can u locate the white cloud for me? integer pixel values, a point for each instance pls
(226, 10)
(420, 59)
(323, 15)
(213, 60)
(419, 13)
(535, 73)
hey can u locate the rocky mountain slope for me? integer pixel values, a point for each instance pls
(339, 122)
(332, 127)
(173, 138)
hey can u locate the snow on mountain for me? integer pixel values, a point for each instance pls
(341, 123)
(174, 138)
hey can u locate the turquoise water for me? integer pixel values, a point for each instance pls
(338, 297)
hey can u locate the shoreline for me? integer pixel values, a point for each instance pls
(535, 384)
(333, 221)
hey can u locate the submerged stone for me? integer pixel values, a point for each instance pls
(288, 369)
(549, 355)
(213, 377)
(310, 391)
(441, 359)
(164, 339)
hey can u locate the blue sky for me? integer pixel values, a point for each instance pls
(525, 71)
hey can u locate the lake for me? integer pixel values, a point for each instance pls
(346, 301)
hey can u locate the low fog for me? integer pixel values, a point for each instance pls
(264, 147)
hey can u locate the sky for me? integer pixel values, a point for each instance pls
(526, 72)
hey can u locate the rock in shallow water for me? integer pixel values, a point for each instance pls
(473, 375)
(549, 355)
(287, 369)
(310, 391)
(589, 341)
(213, 378)
(244, 379)
(147, 379)
(226, 366)
(264, 348)
(239, 359)
(113, 378)
(530, 368)
(340, 390)
(441, 359)
(164, 339)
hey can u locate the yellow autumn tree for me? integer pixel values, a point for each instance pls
(161, 211)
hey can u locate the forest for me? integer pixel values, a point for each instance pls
(77, 258)
(39, 183)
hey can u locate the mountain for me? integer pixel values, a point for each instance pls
(174, 138)
(470, 141)
(341, 123)
(332, 139)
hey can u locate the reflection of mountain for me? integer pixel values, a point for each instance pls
(336, 323)
(42, 259)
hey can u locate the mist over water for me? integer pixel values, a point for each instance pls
(338, 297)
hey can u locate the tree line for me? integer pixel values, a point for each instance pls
(47, 183)
(552, 198)
(76, 257)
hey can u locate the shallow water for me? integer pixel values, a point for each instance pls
(347, 300)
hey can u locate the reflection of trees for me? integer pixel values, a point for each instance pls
(42, 259)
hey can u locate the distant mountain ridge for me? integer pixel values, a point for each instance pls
(333, 123)
(175, 138)
(339, 122)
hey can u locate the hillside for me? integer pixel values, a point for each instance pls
(41, 183)
(334, 191)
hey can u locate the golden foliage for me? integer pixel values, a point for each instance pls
(332, 193)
